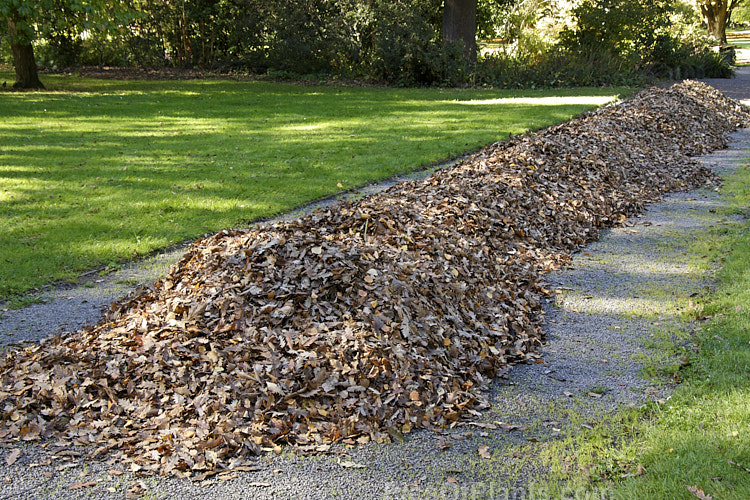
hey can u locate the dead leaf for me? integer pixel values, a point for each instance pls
(79, 486)
(484, 452)
(348, 464)
(136, 490)
(698, 492)
(11, 457)
(483, 425)
(444, 444)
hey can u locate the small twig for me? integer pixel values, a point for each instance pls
(730, 462)
(93, 271)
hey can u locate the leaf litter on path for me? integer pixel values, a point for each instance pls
(363, 320)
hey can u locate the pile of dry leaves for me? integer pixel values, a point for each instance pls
(367, 319)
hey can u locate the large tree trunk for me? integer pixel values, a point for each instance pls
(460, 24)
(717, 15)
(720, 24)
(23, 59)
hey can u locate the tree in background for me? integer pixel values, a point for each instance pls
(18, 15)
(717, 14)
(26, 20)
(402, 42)
(460, 25)
(633, 33)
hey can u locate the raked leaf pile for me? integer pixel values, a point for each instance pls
(364, 320)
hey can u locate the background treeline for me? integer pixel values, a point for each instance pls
(526, 42)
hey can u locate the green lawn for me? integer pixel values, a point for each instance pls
(94, 172)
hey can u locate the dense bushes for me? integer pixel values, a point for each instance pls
(643, 38)
(395, 41)
(609, 42)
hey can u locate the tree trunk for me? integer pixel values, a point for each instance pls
(23, 59)
(720, 25)
(716, 15)
(460, 24)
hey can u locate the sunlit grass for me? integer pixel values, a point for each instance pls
(94, 172)
(698, 440)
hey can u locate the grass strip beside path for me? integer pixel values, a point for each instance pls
(701, 440)
(95, 172)
(696, 444)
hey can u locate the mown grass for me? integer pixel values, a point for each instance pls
(94, 172)
(698, 442)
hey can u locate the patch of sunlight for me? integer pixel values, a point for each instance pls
(586, 100)
(630, 306)
(171, 92)
(298, 128)
(657, 268)
(168, 128)
(319, 125)
(116, 246)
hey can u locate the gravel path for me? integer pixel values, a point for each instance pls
(610, 304)
(736, 88)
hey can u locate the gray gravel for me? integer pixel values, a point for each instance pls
(736, 88)
(610, 304)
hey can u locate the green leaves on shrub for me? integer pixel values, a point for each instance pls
(642, 37)
(398, 42)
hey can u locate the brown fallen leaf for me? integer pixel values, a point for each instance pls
(699, 493)
(483, 425)
(11, 457)
(452, 480)
(444, 444)
(348, 464)
(484, 452)
(136, 490)
(80, 486)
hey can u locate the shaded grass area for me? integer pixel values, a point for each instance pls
(94, 172)
(698, 442)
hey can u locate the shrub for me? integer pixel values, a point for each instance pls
(555, 68)
(642, 37)
(396, 41)
(404, 46)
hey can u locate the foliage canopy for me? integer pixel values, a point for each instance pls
(397, 42)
